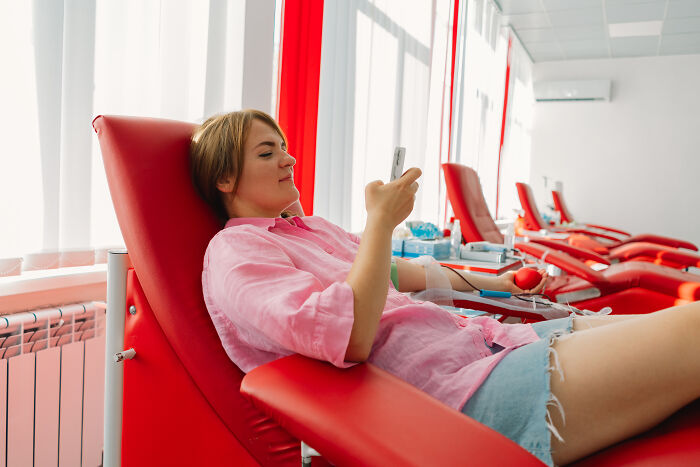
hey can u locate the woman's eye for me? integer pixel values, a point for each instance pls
(267, 154)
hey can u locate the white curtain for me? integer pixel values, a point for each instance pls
(478, 106)
(479, 91)
(384, 82)
(515, 155)
(70, 60)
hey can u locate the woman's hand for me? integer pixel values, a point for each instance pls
(392, 202)
(507, 283)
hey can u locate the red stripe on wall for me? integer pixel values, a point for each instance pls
(455, 23)
(297, 112)
(503, 122)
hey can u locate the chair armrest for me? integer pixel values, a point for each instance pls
(660, 240)
(563, 261)
(365, 416)
(609, 229)
(660, 254)
(574, 251)
(591, 233)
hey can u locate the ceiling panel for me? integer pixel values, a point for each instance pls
(537, 35)
(530, 21)
(599, 47)
(578, 17)
(680, 44)
(683, 8)
(628, 2)
(547, 56)
(682, 25)
(554, 5)
(518, 7)
(634, 46)
(581, 33)
(573, 29)
(629, 13)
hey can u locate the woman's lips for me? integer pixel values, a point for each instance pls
(288, 178)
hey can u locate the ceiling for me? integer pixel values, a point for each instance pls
(580, 29)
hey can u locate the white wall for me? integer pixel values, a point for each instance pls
(633, 162)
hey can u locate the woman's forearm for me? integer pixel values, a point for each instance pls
(412, 278)
(369, 280)
(477, 280)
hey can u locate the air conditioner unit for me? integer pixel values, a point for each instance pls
(562, 91)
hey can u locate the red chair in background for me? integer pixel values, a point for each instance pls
(656, 249)
(632, 287)
(181, 401)
(652, 254)
(566, 217)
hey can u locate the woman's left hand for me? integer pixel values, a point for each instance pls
(507, 283)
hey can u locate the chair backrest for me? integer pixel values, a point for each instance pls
(533, 219)
(166, 227)
(468, 203)
(560, 207)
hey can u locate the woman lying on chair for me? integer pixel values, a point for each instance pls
(277, 284)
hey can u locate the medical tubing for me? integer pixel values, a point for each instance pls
(482, 292)
(520, 296)
(463, 278)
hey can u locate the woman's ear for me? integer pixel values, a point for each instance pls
(225, 184)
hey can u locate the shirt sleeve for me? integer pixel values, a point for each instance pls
(258, 287)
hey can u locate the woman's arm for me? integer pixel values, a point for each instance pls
(412, 279)
(387, 205)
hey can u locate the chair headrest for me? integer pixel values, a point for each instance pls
(166, 227)
(468, 203)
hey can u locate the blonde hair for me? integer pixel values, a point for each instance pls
(216, 151)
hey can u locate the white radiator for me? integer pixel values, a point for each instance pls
(52, 387)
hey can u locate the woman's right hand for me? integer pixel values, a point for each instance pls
(392, 202)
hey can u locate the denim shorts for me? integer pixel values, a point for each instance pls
(515, 398)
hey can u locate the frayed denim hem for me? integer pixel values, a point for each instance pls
(516, 398)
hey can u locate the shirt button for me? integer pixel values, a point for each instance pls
(329, 250)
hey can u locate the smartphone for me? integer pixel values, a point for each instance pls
(397, 163)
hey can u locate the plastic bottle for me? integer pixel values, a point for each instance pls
(509, 237)
(455, 240)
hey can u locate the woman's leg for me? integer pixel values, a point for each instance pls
(593, 321)
(622, 379)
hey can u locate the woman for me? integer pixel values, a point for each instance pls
(276, 284)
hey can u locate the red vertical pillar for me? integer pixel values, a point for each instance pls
(300, 68)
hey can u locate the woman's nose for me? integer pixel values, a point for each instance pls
(288, 160)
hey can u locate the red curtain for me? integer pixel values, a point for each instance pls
(297, 109)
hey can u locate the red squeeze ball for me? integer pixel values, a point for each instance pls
(527, 278)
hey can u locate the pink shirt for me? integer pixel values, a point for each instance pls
(275, 287)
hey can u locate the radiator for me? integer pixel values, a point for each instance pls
(52, 387)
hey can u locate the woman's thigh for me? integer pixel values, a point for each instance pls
(623, 378)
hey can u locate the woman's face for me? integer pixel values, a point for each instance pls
(266, 186)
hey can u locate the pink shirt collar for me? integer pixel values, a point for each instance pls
(266, 222)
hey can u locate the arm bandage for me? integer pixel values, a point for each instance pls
(438, 288)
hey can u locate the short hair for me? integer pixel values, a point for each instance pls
(216, 151)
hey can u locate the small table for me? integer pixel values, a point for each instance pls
(484, 267)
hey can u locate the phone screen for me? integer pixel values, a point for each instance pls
(397, 163)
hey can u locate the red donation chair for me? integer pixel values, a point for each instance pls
(631, 287)
(660, 250)
(182, 402)
(641, 251)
